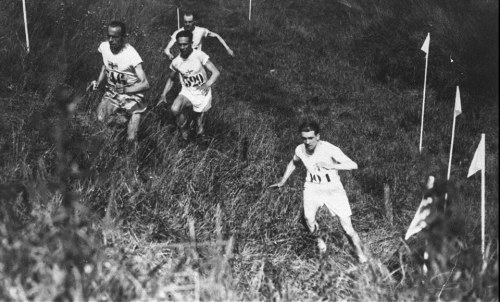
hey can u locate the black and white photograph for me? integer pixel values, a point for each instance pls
(249, 150)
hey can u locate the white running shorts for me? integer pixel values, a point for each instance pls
(335, 200)
(112, 102)
(200, 102)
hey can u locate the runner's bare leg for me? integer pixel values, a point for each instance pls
(200, 123)
(133, 126)
(356, 241)
(178, 106)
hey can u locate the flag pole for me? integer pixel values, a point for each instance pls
(26, 27)
(479, 163)
(451, 147)
(483, 197)
(250, 10)
(426, 45)
(456, 111)
(178, 19)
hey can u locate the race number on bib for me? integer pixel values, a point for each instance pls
(116, 78)
(319, 178)
(193, 81)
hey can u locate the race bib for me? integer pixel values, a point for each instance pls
(116, 77)
(319, 178)
(193, 81)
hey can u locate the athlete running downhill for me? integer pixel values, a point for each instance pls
(191, 65)
(126, 81)
(322, 184)
(199, 33)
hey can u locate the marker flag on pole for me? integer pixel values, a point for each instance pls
(424, 210)
(458, 103)
(456, 112)
(425, 46)
(479, 158)
(478, 163)
(418, 223)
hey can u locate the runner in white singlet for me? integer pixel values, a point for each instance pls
(199, 33)
(322, 183)
(192, 66)
(126, 81)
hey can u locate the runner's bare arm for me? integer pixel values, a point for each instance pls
(167, 49)
(168, 86)
(213, 76)
(140, 86)
(100, 79)
(350, 165)
(341, 162)
(288, 172)
(229, 50)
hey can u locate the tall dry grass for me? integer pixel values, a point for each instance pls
(187, 221)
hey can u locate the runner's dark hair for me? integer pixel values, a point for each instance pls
(189, 13)
(309, 126)
(121, 25)
(185, 33)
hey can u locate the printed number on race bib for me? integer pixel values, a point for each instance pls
(193, 81)
(116, 78)
(315, 178)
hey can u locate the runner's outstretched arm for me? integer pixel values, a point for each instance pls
(288, 172)
(229, 50)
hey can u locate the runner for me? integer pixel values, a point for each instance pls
(196, 92)
(322, 184)
(126, 81)
(199, 33)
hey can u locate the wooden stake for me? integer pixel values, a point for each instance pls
(388, 205)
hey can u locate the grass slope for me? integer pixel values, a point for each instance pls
(355, 67)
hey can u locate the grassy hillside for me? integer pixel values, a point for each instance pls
(84, 216)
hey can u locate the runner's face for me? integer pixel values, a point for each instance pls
(185, 48)
(310, 140)
(188, 23)
(115, 38)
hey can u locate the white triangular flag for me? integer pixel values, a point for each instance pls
(458, 104)
(424, 210)
(418, 223)
(478, 160)
(425, 46)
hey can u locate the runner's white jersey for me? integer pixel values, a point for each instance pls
(323, 153)
(198, 34)
(192, 73)
(120, 67)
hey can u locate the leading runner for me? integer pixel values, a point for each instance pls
(322, 184)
